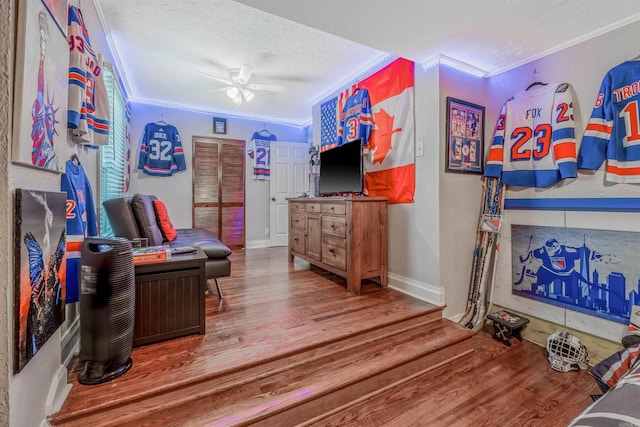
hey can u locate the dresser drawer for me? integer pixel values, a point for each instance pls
(337, 208)
(296, 240)
(298, 220)
(334, 252)
(313, 207)
(334, 225)
(297, 206)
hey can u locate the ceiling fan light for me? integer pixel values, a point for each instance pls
(233, 93)
(247, 94)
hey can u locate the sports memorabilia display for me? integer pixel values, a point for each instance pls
(259, 151)
(88, 115)
(613, 131)
(161, 152)
(356, 119)
(81, 222)
(534, 142)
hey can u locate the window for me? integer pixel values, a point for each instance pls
(114, 158)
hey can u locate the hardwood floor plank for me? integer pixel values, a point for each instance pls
(284, 332)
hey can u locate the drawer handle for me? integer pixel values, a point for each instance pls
(333, 208)
(295, 239)
(331, 250)
(333, 226)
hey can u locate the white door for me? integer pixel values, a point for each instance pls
(289, 178)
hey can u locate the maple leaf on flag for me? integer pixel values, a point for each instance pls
(381, 135)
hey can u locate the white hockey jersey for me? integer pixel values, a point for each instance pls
(534, 141)
(161, 151)
(613, 131)
(88, 108)
(259, 151)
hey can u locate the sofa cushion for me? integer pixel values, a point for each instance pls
(142, 206)
(123, 221)
(203, 239)
(166, 227)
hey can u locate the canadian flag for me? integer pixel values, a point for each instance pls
(390, 166)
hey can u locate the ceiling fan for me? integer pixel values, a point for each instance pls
(238, 88)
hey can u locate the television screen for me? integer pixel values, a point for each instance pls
(341, 169)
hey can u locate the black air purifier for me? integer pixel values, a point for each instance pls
(107, 309)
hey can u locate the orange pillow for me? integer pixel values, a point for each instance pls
(168, 232)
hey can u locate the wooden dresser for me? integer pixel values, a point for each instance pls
(344, 235)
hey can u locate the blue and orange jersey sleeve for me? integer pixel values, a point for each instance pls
(495, 160)
(598, 131)
(563, 137)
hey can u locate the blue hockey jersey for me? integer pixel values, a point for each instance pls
(259, 151)
(356, 119)
(534, 140)
(613, 131)
(81, 222)
(161, 151)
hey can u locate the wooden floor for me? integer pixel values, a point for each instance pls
(274, 311)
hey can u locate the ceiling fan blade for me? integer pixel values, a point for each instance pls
(218, 79)
(269, 88)
(220, 89)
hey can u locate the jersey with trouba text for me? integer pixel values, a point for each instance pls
(356, 119)
(613, 131)
(259, 151)
(534, 141)
(81, 222)
(88, 105)
(161, 151)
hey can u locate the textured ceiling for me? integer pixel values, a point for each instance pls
(313, 47)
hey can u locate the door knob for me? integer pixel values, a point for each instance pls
(273, 199)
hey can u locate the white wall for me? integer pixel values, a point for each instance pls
(176, 190)
(459, 197)
(583, 66)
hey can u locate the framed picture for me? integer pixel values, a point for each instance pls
(42, 73)
(58, 9)
(219, 125)
(465, 136)
(40, 270)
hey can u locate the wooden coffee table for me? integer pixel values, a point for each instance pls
(170, 298)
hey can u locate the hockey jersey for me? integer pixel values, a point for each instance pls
(161, 151)
(613, 131)
(534, 141)
(259, 151)
(88, 105)
(81, 222)
(356, 119)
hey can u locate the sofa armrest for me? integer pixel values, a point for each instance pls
(121, 217)
(203, 239)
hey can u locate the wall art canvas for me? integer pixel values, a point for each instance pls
(591, 271)
(58, 9)
(40, 270)
(42, 68)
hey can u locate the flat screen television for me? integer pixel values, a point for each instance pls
(341, 169)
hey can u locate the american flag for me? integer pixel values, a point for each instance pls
(328, 124)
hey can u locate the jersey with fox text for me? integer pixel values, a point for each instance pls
(534, 141)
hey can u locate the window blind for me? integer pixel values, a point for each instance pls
(114, 158)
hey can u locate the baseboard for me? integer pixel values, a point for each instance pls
(58, 391)
(254, 244)
(420, 290)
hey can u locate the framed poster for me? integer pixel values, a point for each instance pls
(42, 69)
(219, 125)
(40, 270)
(465, 136)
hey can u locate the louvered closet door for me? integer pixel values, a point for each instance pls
(218, 188)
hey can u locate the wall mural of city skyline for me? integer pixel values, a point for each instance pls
(591, 271)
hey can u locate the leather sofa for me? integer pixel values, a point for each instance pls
(134, 217)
